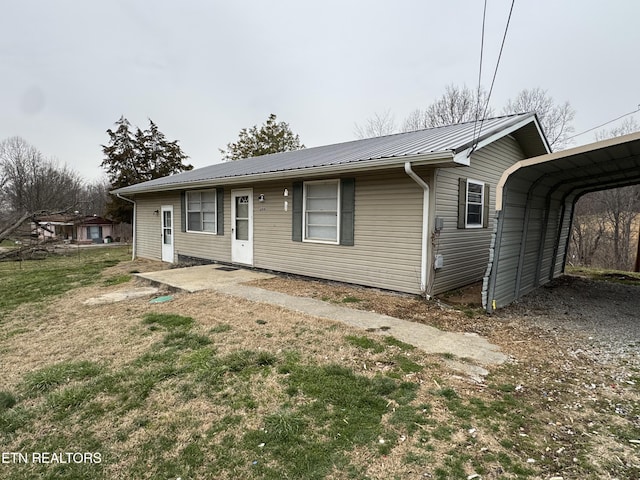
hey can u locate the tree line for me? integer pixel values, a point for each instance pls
(31, 182)
(462, 104)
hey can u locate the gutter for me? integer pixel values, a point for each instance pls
(133, 224)
(424, 273)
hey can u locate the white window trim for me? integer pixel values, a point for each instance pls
(466, 205)
(186, 212)
(304, 212)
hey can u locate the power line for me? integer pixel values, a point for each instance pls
(606, 123)
(484, 17)
(495, 72)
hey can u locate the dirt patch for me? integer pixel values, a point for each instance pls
(470, 296)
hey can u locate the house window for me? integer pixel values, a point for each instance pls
(201, 211)
(94, 232)
(321, 211)
(474, 204)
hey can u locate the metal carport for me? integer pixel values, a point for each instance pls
(535, 201)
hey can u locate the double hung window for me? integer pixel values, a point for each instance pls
(201, 211)
(474, 204)
(322, 211)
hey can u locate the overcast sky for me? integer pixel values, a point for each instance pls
(202, 70)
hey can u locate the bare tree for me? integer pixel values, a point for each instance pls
(628, 125)
(589, 230)
(609, 217)
(95, 197)
(376, 126)
(555, 118)
(462, 104)
(30, 183)
(621, 207)
(456, 105)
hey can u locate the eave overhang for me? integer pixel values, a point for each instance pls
(441, 159)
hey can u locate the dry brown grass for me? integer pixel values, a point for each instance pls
(555, 376)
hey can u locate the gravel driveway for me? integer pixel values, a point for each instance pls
(603, 317)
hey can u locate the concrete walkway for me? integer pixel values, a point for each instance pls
(425, 337)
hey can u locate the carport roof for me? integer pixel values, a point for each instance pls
(535, 200)
(610, 163)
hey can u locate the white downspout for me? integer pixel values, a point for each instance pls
(424, 272)
(133, 223)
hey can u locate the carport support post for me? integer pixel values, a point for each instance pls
(543, 239)
(493, 273)
(637, 266)
(523, 243)
(566, 243)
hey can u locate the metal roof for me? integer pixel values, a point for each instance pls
(440, 142)
(535, 199)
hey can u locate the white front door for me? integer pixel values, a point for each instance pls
(242, 226)
(167, 233)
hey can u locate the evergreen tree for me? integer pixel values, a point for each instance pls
(132, 158)
(271, 137)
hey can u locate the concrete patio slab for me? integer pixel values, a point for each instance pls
(202, 277)
(121, 295)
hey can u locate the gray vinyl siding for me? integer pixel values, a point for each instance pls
(208, 246)
(148, 226)
(466, 251)
(387, 233)
(201, 245)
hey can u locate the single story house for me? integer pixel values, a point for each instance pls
(94, 229)
(412, 212)
(66, 227)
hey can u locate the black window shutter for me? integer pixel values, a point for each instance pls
(296, 208)
(462, 202)
(485, 207)
(183, 211)
(347, 210)
(220, 211)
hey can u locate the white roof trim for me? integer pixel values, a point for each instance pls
(463, 156)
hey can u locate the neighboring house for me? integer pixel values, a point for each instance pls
(58, 227)
(411, 212)
(94, 230)
(91, 229)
